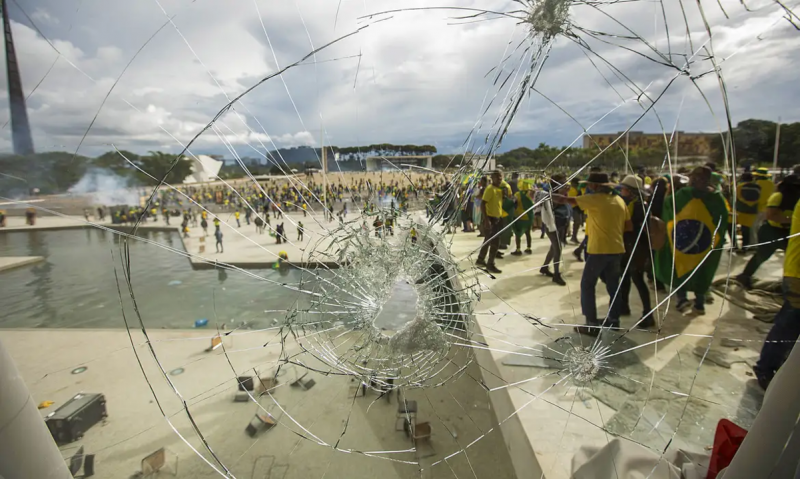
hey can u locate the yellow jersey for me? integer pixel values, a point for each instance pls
(605, 222)
(493, 198)
(791, 263)
(774, 201)
(767, 188)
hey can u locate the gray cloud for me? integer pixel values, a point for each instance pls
(420, 80)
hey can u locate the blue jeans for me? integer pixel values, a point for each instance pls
(784, 332)
(607, 268)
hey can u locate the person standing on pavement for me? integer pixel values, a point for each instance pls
(786, 327)
(637, 249)
(607, 218)
(696, 222)
(748, 194)
(218, 237)
(555, 218)
(491, 222)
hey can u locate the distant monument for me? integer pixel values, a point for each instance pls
(20, 129)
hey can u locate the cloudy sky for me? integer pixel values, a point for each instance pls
(154, 73)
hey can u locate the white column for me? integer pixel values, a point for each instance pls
(765, 450)
(27, 449)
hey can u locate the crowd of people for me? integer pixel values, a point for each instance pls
(669, 231)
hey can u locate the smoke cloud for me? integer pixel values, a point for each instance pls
(106, 188)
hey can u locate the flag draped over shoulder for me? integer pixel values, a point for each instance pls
(695, 232)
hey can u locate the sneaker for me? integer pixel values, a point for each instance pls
(499, 255)
(577, 255)
(709, 298)
(762, 378)
(528, 251)
(684, 306)
(575, 240)
(625, 311)
(647, 323)
(492, 269)
(740, 252)
(587, 330)
(545, 271)
(698, 311)
(480, 262)
(516, 253)
(557, 279)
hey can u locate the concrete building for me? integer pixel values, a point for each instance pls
(377, 163)
(697, 145)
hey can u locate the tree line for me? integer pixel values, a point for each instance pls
(57, 171)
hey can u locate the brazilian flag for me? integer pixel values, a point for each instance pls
(695, 229)
(747, 197)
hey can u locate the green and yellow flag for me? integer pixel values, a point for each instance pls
(695, 232)
(747, 198)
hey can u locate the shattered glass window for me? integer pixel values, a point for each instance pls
(214, 234)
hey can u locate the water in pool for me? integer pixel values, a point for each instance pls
(75, 287)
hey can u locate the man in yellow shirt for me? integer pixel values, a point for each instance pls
(786, 328)
(607, 219)
(492, 223)
(773, 233)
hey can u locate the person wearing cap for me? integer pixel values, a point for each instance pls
(607, 220)
(772, 235)
(786, 326)
(696, 223)
(492, 223)
(747, 195)
(637, 249)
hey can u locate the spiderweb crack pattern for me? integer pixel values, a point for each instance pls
(460, 312)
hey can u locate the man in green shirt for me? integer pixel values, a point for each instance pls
(492, 224)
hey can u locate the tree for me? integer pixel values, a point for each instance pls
(754, 140)
(163, 166)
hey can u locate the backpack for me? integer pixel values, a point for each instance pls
(658, 232)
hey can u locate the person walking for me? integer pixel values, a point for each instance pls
(556, 227)
(236, 215)
(607, 218)
(204, 225)
(786, 327)
(300, 231)
(772, 235)
(491, 222)
(218, 237)
(696, 222)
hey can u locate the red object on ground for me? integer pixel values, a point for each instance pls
(727, 440)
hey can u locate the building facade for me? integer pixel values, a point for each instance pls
(697, 145)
